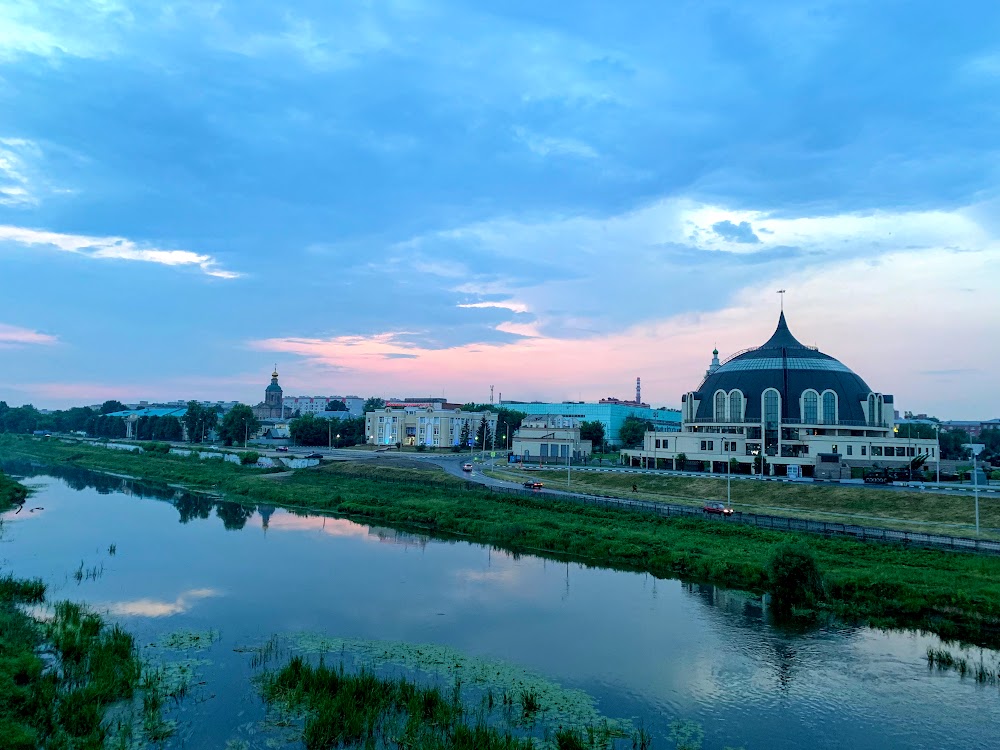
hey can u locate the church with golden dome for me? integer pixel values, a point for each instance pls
(271, 407)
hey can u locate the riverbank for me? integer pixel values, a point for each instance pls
(61, 678)
(11, 493)
(956, 596)
(906, 510)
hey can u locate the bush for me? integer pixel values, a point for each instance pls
(249, 457)
(154, 447)
(794, 576)
(421, 447)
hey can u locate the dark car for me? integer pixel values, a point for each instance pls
(315, 455)
(719, 509)
(533, 485)
(282, 449)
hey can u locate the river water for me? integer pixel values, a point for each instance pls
(648, 650)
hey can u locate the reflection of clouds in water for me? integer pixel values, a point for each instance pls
(507, 577)
(331, 526)
(160, 608)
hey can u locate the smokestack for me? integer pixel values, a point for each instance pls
(638, 392)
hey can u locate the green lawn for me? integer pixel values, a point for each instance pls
(911, 510)
(952, 594)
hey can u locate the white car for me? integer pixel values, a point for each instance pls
(466, 467)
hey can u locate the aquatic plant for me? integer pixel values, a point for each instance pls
(793, 576)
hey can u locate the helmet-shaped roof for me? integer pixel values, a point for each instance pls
(789, 366)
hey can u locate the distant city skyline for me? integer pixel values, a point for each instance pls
(432, 198)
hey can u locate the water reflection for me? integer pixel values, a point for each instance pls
(658, 649)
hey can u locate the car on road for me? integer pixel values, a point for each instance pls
(532, 484)
(282, 449)
(718, 509)
(466, 467)
(315, 455)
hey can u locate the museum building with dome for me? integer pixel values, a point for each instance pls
(789, 403)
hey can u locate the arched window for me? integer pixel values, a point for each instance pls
(772, 409)
(872, 416)
(720, 406)
(736, 406)
(829, 407)
(810, 407)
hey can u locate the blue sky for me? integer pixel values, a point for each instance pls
(432, 197)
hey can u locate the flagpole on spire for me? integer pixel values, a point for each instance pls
(782, 293)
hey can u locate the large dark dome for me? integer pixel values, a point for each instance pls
(788, 366)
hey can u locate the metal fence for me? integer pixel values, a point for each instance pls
(778, 523)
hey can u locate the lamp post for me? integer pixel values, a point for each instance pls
(338, 439)
(938, 453)
(329, 433)
(729, 477)
(246, 430)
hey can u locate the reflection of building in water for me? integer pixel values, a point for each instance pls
(728, 600)
(401, 538)
(266, 511)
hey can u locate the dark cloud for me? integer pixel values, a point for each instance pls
(741, 232)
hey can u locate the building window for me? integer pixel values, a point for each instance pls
(810, 407)
(850, 450)
(708, 445)
(657, 443)
(864, 449)
(829, 408)
(834, 449)
(772, 409)
(720, 407)
(736, 406)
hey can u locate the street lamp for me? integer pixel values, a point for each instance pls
(246, 429)
(338, 439)
(975, 448)
(729, 477)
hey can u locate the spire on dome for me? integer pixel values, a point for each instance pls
(782, 338)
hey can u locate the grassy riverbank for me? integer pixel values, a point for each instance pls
(957, 596)
(92, 666)
(911, 510)
(11, 493)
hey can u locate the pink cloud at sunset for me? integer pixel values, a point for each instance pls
(850, 310)
(11, 336)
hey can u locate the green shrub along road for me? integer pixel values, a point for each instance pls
(954, 595)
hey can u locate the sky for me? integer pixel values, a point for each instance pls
(419, 198)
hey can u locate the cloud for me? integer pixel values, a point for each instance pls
(741, 232)
(159, 607)
(552, 146)
(112, 248)
(11, 336)
(15, 183)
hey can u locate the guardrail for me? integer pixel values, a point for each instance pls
(777, 523)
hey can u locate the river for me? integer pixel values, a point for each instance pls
(649, 650)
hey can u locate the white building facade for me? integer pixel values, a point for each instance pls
(550, 438)
(783, 405)
(428, 425)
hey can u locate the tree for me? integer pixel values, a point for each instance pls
(465, 435)
(23, 419)
(199, 420)
(337, 405)
(794, 576)
(168, 428)
(951, 442)
(594, 432)
(308, 430)
(238, 424)
(633, 431)
(112, 406)
(484, 435)
(917, 430)
(374, 403)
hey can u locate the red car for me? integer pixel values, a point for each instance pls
(719, 509)
(282, 449)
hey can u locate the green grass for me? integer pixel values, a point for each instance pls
(954, 595)
(912, 510)
(59, 708)
(11, 493)
(364, 709)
